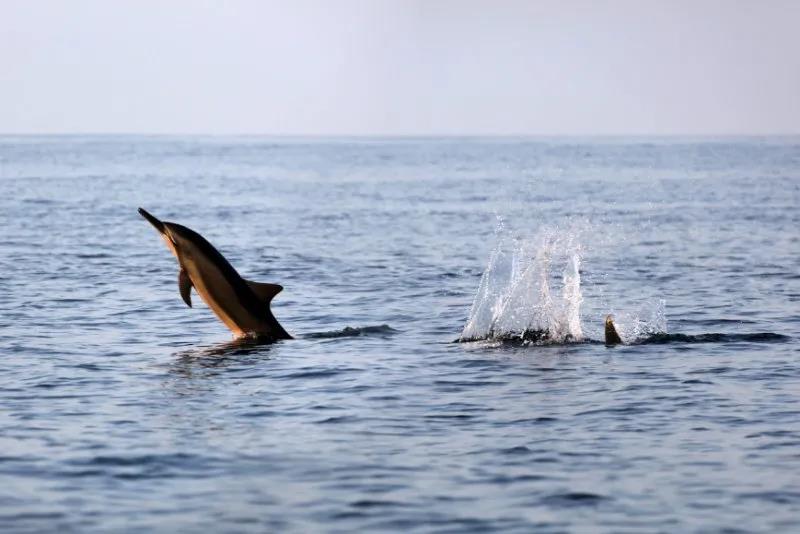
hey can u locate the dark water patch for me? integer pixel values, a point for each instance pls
(324, 407)
(466, 407)
(13, 519)
(373, 488)
(87, 366)
(468, 383)
(779, 274)
(93, 256)
(712, 370)
(385, 398)
(337, 420)
(719, 321)
(545, 460)
(349, 514)
(444, 525)
(774, 434)
(317, 373)
(515, 451)
(582, 454)
(25, 459)
(505, 480)
(374, 503)
(82, 473)
(69, 300)
(778, 445)
(526, 421)
(178, 459)
(47, 385)
(146, 467)
(778, 415)
(758, 337)
(774, 497)
(357, 389)
(378, 331)
(451, 416)
(624, 410)
(260, 413)
(573, 499)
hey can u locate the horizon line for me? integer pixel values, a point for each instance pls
(397, 135)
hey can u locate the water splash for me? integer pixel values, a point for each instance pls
(650, 320)
(531, 289)
(654, 323)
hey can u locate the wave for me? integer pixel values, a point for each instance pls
(661, 338)
(755, 337)
(348, 331)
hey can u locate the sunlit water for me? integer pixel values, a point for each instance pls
(122, 409)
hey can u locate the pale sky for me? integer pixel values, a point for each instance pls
(382, 67)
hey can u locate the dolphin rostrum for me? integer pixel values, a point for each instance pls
(612, 337)
(242, 305)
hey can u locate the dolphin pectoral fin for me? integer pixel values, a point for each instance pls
(185, 287)
(264, 292)
(612, 337)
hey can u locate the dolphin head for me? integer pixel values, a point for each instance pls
(152, 220)
(167, 231)
(181, 241)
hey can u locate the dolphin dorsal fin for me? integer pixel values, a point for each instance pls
(612, 336)
(185, 287)
(264, 292)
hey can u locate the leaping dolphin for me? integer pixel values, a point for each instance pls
(241, 304)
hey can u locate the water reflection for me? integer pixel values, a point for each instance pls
(239, 353)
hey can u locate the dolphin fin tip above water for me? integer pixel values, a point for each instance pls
(612, 336)
(243, 306)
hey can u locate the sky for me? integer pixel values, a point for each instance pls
(404, 67)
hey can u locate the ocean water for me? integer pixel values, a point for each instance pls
(123, 410)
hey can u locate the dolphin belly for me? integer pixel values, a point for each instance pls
(221, 297)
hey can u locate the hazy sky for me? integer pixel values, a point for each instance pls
(400, 67)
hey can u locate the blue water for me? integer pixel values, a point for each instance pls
(122, 409)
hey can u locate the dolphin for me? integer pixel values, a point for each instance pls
(612, 337)
(241, 304)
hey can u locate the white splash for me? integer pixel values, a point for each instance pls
(649, 319)
(530, 285)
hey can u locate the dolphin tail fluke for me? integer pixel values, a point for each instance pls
(612, 337)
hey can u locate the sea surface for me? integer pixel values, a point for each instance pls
(121, 409)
